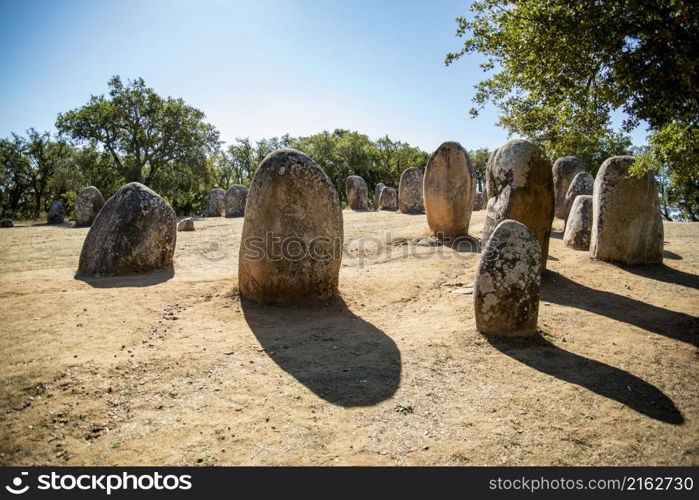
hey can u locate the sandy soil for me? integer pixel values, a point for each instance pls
(172, 368)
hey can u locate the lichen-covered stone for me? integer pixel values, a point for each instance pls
(579, 224)
(582, 184)
(448, 191)
(216, 206)
(186, 224)
(388, 199)
(88, 205)
(357, 193)
(291, 245)
(564, 170)
(410, 191)
(523, 191)
(56, 213)
(235, 200)
(507, 283)
(627, 226)
(136, 231)
(377, 192)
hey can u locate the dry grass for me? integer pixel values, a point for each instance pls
(175, 369)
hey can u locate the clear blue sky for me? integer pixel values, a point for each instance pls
(257, 68)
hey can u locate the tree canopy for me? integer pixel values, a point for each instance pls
(557, 70)
(146, 135)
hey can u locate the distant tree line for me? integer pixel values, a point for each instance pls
(133, 134)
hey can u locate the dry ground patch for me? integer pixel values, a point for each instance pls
(173, 368)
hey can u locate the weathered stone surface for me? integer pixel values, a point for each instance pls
(216, 206)
(7, 223)
(448, 190)
(564, 170)
(410, 191)
(136, 231)
(357, 193)
(582, 184)
(186, 224)
(579, 224)
(377, 192)
(388, 199)
(627, 226)
(56, 213)
(523, 191)
(235, 200)
(507, 284)
(291, 245)
(489, 188)
(88, 205)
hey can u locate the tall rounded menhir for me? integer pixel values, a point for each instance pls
(627, 226)
(410, 191)
(235, 199)
(448, 191)
(507, 284)
(291, 246)
(521, 180)
(357, 193)
(88, 205)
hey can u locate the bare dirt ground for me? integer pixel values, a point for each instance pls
(172, 368)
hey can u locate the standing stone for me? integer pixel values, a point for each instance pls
(7, 223)
(448, 190)
(507, 283)
(581, 184)
(564, 170)
(627, 226)
(579, 224)
(55, 213)
(523, 189)
(216, 207)
(291, 245)
(377, 193)
(388, 199)
(489, 188)
(186, 224)
(357, 193)
(136, 231)
(235, 200)
(410, 191)
(88, 205)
